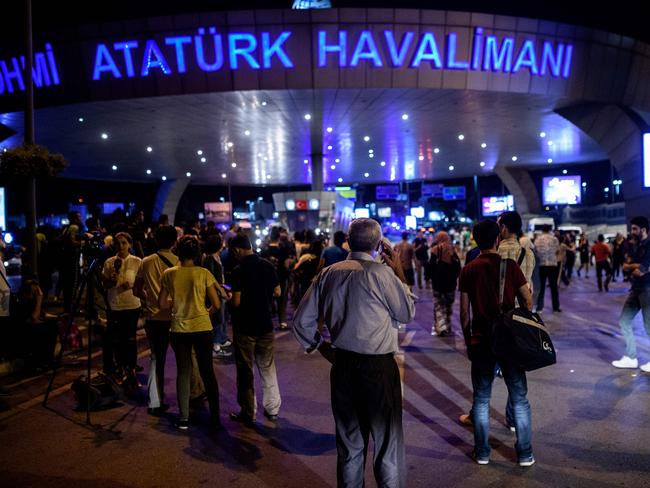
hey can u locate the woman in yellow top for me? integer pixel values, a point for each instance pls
(185, 288)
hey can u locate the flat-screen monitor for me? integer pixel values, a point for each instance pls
(387, 192)
(108, 208)
(361, 213)
(417, 212)
(646, 159)
(347, 192)
(384, 212)
(436, 216)
(562, 190)
(432, 190)
(411, 222)
(492, 206)
(450, 193)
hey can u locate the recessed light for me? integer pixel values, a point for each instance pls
(199, 152)
(564, 171)
(229, 144)
(268, 177)
(421, 158)
(483, 145)
(247, 133)
(188, 174)
(549, 160)
(263, 104)
(482, 164)
(461, 137)
(337, 160)
(223, 175)
(365, 175)
(104, 135)
(383, 163)
(405, 116)
(550, 143)
(164, 178)
(436, 150)
(329, 129)
(371, 150)
(451, 167)
(203, 160)
(307, 116)
(366, 138)
(329, 148)
(340, 180)
(333, 166)
(81, 119)
(371, 155)
(306, 161)
(542, 135)
(114, 168)
(514, 158)
(149, 148)
(148, 171)
(234, 165)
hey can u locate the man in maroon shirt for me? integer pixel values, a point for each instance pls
(479, 286)
(601, 252)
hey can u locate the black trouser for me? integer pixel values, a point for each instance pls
(158, 337)
(600, 267)
(118, 345)
(550, 273)
(281, 301)
(182, 344)
(367, 399)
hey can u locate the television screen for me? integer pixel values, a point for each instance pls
(411, 223)
(387, 192)
(361, 213)
(432, 190)
(453, 193)
(646, 159)
(492, 206)
(384, 212)
(417, 212)
(562, 190)
(109, 208)
(435, 216)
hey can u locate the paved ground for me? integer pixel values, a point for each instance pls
(591, 422)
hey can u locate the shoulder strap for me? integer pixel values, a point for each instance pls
(522, 255)
(4, 278)
(502, 280)
(167, 262)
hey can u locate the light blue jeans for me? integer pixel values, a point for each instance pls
(636, 300)
(515, 378)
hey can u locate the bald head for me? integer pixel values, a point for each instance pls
(364, 235)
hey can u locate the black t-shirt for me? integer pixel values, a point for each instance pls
(420, 245)
(255, 278)
(277, 255)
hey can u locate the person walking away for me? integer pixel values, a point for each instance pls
(336, 253)
(444, 270)
(279, 253)
(638, 297)
(362, 302)
(157, 321)
(583, 250)
(420, 246)
(184, 289)
(570, 242)
(548, 247)
(254, 286)
(479, 287)
(307, 266)
(119, 348)
(406, 254)
(601, 253)
(618, 255)
(212, 262)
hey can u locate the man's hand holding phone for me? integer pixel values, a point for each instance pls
(391, 258)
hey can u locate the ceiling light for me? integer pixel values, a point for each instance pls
(483, 145)
(149, 148)
(199, 152)
(329, 129)
(81, 119)
(365, 175)
(329, 148)
(234, 165)
(203, 160)
(371, 155)
(264, 104)
(421, 158)
(451, 167)
(405, 116)
(114, 168)
(542, 134)
(333, 166)
(584, 184)
(606, 189)
(337, 160)
(104, 135)
(247, 133)
(340, 180)
(229, 144)
(306, 161)
(148, 171)
(564, 171)
(383, 163)
(436, 150)
(461, 137)
(307, 116)
(482, 164)
(514, 158)
(259, 155)
(366, 138)
(223, 175)
(549, 160)
(371, 150)
(550, 143)
(188, 174)
(164, 178)
(268, 177)
(265, 158)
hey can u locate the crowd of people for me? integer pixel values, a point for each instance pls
(209, 294)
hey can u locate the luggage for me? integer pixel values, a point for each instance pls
(519, 336)
(104, 392)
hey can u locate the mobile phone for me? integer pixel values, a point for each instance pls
(226, 287)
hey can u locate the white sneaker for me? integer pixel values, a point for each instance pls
(626, 362)
(525, 463)
(646, 367)
(433, 332)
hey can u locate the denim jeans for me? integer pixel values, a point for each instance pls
(636, 300)
(218, 320)
(515, 378)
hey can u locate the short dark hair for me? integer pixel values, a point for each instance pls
(213, 244)
(240, 241)
(126, 235)
(188, 247)
(405, 236)
(601, 238)
(339, 238)
(641, 222)
(512, 221)
(165, 236)
(485, 234)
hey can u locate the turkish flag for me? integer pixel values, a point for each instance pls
(301, 204)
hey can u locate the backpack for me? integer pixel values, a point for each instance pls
(444, 276)
(104, 392)
(519, 336)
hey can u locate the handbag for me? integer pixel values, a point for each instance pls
(519, 336)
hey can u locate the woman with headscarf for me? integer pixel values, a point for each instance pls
(444, 270)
